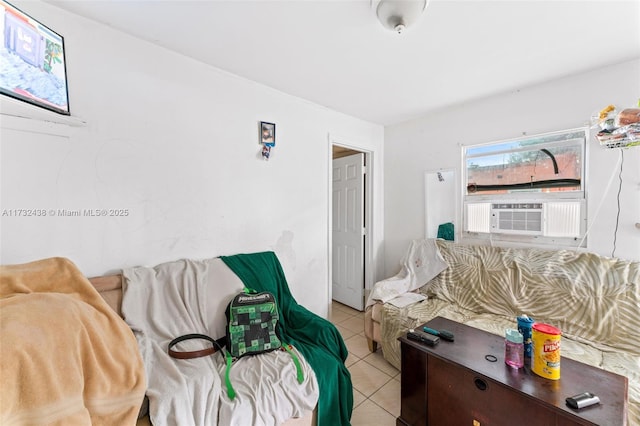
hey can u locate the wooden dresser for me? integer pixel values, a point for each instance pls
(454, 384)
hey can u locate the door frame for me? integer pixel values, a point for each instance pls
(369, 272)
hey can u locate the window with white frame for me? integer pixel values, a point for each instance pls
(530, 189)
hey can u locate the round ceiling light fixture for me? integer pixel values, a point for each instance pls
(397, 15)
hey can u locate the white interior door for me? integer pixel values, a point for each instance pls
(348, 231)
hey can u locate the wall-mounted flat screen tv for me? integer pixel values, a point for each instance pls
(32, 65)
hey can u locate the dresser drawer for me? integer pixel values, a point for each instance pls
(458, 396)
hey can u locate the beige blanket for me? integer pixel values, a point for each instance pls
(66, 358)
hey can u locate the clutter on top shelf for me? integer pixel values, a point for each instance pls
(618, 129)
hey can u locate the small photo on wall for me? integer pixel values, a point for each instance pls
(267, 133)
(266, 151)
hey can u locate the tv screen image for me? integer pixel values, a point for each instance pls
(32, 64)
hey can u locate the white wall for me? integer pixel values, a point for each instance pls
(434, 142)
(175, 143)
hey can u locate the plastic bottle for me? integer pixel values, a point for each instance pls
(513, 348)
(524, 327)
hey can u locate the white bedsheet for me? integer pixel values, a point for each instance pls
(187, 296)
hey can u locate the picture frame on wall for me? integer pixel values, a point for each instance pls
(267, 133)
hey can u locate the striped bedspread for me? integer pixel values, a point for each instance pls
(594, 300)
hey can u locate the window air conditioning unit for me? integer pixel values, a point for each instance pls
(517, 218)
(556, 219)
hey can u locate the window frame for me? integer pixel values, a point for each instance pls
(580, 196)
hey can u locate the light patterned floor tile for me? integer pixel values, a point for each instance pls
(370, 414)
(366, 378)
(377, 360)
(354, 324)
(376, 383)
(359, 315)
(351, 359)
(344, 332)
(357, 344)
(339, 306)
(338, 316)
(358, 398)
(388, 397)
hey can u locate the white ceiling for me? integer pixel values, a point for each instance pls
(335, 53)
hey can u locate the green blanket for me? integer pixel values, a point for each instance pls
(316, 338)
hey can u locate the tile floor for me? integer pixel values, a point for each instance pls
(376, 383)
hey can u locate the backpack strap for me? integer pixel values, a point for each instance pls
(299, 373)
(230, 391)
